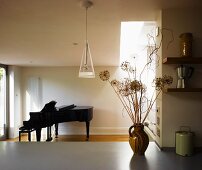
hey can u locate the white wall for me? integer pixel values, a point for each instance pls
(182, 109)
(63, 85)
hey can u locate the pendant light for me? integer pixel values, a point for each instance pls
(86, 67)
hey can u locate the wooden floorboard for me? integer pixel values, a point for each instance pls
(77, 138)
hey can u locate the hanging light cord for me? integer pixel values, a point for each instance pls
(86, 37)
(86, 23)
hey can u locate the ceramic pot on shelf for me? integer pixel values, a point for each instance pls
(186, 45)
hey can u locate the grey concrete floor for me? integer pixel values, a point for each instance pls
(90, 156)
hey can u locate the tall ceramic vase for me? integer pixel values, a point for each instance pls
(138, 139)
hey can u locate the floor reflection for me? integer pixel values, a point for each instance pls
(139, 162)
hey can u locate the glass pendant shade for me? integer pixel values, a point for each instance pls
(86, 67)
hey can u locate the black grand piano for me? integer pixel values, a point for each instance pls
(51, 115)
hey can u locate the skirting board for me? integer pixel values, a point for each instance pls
(65, 129)
(81, 130)
(76, 130)
(94, 131)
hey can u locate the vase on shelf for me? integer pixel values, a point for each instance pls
(138, 139)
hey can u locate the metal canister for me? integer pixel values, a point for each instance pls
(186, 44)
(184, 142)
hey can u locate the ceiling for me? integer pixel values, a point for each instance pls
(52, 32)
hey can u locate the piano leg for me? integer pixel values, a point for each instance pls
(38, 134)
(87, 130)
(49, 138)
(56, 130)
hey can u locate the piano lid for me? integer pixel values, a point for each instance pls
(65, 107)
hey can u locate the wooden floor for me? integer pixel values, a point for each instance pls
(78, 138)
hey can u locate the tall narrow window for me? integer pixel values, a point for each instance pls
(3, 111)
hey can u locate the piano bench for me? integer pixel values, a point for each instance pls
(25, 130)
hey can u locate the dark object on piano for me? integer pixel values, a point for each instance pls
(49, 107)
(51, 115)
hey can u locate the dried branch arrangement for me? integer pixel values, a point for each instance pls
(132, 91)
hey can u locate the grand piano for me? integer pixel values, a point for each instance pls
(51, 115)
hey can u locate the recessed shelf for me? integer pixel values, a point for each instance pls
(182, 60)
(183, 90)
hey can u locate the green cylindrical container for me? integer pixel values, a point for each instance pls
(184, 143)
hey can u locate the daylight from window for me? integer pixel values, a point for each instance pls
(130, 33)
(133, 48)
(2, 100)
(33, 95)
